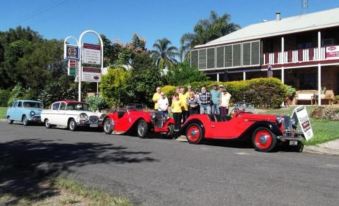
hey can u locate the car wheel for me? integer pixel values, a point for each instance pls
(9, 121)
(264, 140)
(25, 121)
(142, 128)
(47, 124)
(108, 127)
(194, 133)
(72, 125)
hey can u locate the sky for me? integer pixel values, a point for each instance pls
(151, 19)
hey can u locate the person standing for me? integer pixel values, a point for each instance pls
(176, 109)
(224, 104)
(215, 96)
(183, 99)
(163, 105)
(205, 101)
(156, 97)
(193, 104)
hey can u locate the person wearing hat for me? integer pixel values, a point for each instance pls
(225, 98)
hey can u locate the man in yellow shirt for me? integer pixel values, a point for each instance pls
(156, 97)
(183, 99)
(176, 109)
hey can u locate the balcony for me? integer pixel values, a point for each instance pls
(298, 56)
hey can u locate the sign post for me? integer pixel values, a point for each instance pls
(91, 56)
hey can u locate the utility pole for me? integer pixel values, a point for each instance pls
(304, 5)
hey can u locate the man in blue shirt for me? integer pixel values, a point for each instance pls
(215, 97)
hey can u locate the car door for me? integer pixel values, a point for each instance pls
(62, 118)
(53, 113)
(18, 111)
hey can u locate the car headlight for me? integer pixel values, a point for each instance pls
(83, 116)
(32, 113)
(280, 119)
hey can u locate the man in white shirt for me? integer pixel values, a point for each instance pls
(163, 105)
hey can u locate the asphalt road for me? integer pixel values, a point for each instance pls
(167, 172)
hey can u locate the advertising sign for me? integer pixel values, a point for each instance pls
(304, 121)
(91, 74)
(91, 54)
(332, 52)
(72, 67)
(72, 52)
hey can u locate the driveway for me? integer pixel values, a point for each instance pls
(155, 171)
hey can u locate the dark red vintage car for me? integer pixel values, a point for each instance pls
(135, 119)
(264, 130)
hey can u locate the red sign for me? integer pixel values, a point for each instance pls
(332, 52)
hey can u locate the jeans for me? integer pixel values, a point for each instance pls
(215, 109)
(194, 110)
(223, 113)
(177, 121)
(205, 109)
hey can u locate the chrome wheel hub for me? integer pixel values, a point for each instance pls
(263, 139)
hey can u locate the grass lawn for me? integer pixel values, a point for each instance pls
(69, 192)
(3, 112)
(324, 130)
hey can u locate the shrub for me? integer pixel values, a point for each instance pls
(168, 90)
(4, 97)
(183, 73)
(18, 92)
(96, 103)
(326, 113)
(262, 92)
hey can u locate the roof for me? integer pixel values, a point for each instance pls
(28, 100)
(70, 101)
(295, 24)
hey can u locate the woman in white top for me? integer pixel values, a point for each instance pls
(224, 103)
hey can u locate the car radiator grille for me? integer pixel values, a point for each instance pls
(93, 119)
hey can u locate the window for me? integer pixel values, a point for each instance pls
(228, 56)
(15, 104)
(236, 54)
(202, 59)
(20, 104)
(55, 106)
(62, 106)
(210, 57)
(246, 54)
(220, 57)
(194, 58)
(32, 105)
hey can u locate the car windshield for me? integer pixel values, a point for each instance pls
(32, 104)
(77, 106)
(244, 107)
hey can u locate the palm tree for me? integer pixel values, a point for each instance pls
(206, 30)
(164, 54)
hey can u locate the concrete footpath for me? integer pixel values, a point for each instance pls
(331, 148)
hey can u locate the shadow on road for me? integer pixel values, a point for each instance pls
(26, 165)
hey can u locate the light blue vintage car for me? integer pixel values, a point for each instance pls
(25, 111)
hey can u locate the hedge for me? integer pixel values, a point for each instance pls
(4, 97)
(261, 92)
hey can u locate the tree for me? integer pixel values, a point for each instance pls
(113, 85)
(206, 30)
(183, 74)
(164, 54)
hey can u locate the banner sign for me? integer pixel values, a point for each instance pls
(72, 68)
(332, 52)
(91, 54)
(72, 52)
(91, 74)
(304, 121)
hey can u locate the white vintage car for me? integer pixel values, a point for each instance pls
(71, 115)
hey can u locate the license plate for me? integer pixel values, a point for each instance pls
(93, 125)
(293, 143)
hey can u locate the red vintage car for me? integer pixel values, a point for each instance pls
(135, 119)
(265, 131)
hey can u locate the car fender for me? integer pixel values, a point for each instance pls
(199, 119)
(267, 124)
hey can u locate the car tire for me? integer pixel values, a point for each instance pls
(9, 121)
(142, 128)
(47, 124)
(194, 133)
(108, 127)
(72, 125)
(25, 121)
(299, 147)
(264, 140)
